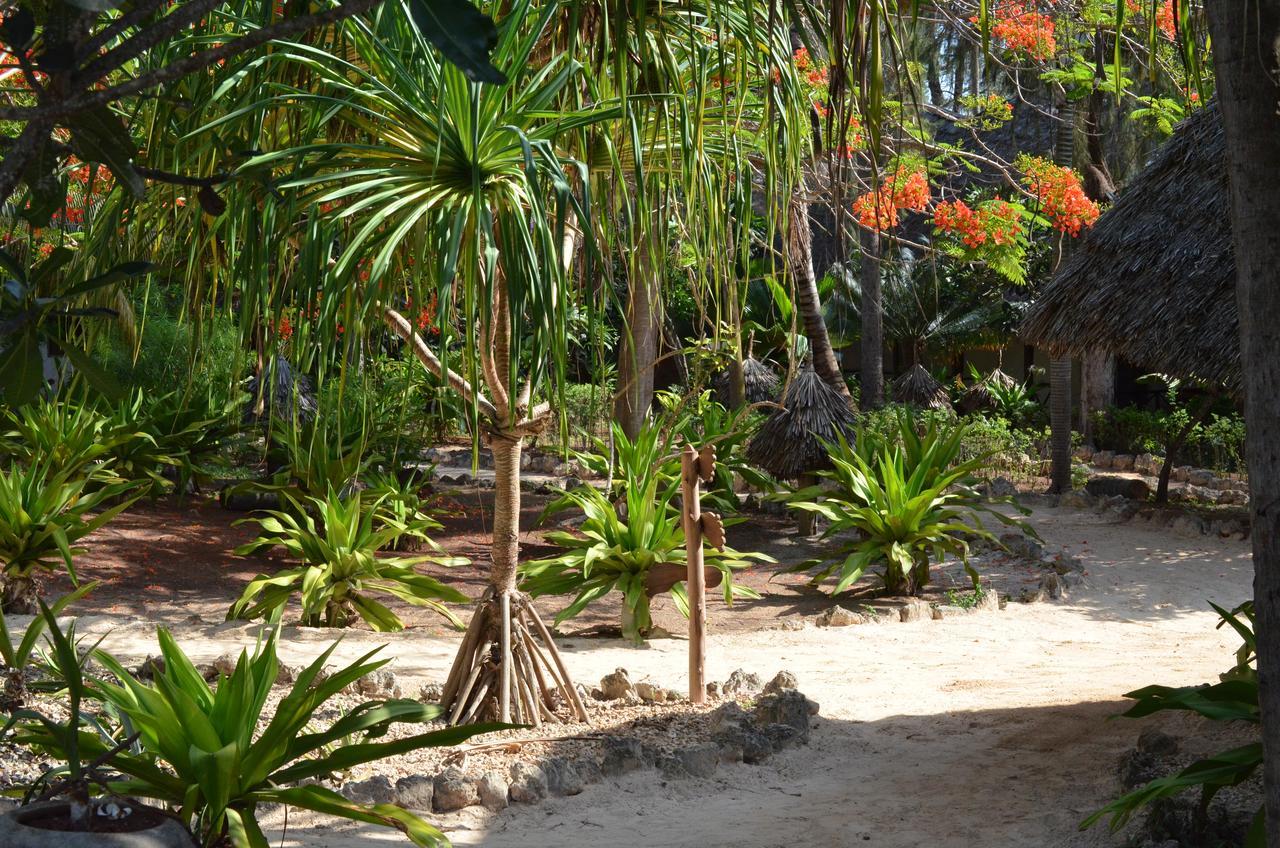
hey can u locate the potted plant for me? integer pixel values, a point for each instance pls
(60, 809)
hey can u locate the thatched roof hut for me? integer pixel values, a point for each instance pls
(761, 381)
(1154, 279)
(790, 441)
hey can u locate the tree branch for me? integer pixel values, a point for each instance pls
(401, 327)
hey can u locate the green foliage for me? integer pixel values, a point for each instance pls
(17, 658)
(1217, 444)
(326, 453)
(65, 436)
(588, 408)
(1005, 450)
(43, 513)
(397, 502)
(911, 498)
(338, 547)
(1233, 698)
(199, 750)
(701, 421)
(617, 552)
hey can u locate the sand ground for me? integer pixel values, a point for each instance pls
(985, 730)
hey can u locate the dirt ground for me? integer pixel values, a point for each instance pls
(989, 729)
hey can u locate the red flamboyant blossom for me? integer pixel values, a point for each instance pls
(996, 221)
(1061, 196)
(1024, 30)
(906, 188)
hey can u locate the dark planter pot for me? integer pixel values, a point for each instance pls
(18, 830)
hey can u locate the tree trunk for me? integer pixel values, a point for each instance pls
(1060, 367)
(1244, 37)
(18, 595)
(639, 344)
(800, 259)
(1097, 387)
(872, 313)
(506, 512)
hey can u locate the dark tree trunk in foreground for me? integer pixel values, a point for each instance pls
(800, 260)
(872, 314)
(1245, 34)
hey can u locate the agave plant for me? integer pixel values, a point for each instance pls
(396, 501)
(910, 500)
(189, 429)
(68, 436)
(17, 659)
(640, 555)
(213, 754)
(337, 540)
(43, 513)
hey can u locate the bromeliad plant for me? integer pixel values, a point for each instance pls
(397, 502)
(71, 437)
(213, 754)
(1233, 698)
(337, 540)
(910, 500)
(640, 555)
(44, 511)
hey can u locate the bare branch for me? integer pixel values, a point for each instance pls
(401, 327)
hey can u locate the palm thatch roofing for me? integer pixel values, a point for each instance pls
(761, 381)
(1154, 279)
(917, 387)
(790, 441)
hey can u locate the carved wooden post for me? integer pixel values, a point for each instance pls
(696, 467)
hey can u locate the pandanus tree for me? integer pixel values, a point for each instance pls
(470, 181)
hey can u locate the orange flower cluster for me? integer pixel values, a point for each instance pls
(426, 320)
(1062, 198)
(1025, 31)
(904, 189)
(284, 329)
(1166, 21)
(997, 221)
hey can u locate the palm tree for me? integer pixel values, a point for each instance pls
(472, 181)
(1060, 366)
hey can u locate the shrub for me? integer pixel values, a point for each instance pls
(702, 421)
(909, 498)
(340, 569)
(629, 554)
(1217, 444)
(588, 408)
(64, 436)
(1233, 698)
(198, 749)
(1006, 450)
(43, 513)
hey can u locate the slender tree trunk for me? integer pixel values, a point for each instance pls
(506, 512)
(1245, 35)
(872, 312)
(639, 343)
(800, 258)
(1060, 366)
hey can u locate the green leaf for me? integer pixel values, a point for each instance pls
(99, 135)
(461, 32)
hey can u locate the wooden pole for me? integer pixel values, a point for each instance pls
(689, 467)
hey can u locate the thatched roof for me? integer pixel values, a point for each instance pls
(1153, 281)
(978, 396)
(761, 381)
(917, 387)
(790, 441)
(289, 396)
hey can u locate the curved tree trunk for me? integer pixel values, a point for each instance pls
(1245, 35)
(800, 260)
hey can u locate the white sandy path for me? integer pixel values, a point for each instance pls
(988, 730)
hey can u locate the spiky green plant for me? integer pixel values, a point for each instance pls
(910, 501)
(611, 552)
(43, 513)
(338, 540)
